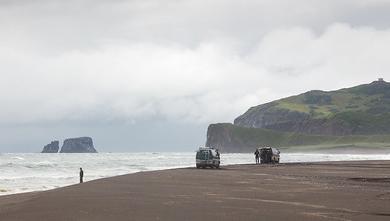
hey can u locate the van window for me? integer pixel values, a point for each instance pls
(202, 155)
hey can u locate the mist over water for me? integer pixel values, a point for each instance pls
(25, 172)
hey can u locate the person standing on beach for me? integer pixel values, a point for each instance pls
(81, 175)
(257, 155)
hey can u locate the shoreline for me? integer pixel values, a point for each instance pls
(229, 164)
(299, 191)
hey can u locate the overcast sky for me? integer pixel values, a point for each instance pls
(150, 75)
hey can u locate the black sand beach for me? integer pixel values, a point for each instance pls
(302, 191)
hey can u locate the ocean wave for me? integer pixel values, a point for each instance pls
(41, 165)
(8, 164)
(18, 158)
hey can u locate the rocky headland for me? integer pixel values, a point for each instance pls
(360, 114)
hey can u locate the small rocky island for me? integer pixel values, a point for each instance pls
(71, 145)
(52, 147)
(78, 145)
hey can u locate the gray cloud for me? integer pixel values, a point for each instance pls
(54, 26)
(124, 63)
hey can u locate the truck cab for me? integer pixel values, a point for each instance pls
(207, 157)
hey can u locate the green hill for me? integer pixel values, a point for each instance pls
(363, 110)
(357, 116)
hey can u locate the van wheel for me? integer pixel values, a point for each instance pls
(197, 166)
(217, 166)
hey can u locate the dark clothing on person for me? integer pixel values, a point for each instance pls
(257, 155)
(81, 175)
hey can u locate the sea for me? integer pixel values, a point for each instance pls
(26, 172)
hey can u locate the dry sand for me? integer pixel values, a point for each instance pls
(311, 191)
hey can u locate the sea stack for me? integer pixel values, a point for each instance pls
(78, 145)
(52, 147)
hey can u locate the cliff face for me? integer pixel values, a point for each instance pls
(78, 145)
(309, 119)
(52, 147)
(359, 110)
(219, 136)
(235, 139)
(294, 121)
(226, 138)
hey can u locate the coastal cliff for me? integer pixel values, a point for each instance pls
(78, 145)
(357, 114)
(364, 109)
(235, 139)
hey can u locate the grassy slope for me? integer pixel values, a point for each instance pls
(340, 101)
(364, 106)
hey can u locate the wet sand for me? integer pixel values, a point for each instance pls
(308, 191)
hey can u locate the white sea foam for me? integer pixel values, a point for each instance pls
(36, 171)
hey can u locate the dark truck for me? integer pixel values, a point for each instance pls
(207, 157)
(269, 155)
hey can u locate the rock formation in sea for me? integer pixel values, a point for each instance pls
(78, 145)
(52, 147)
